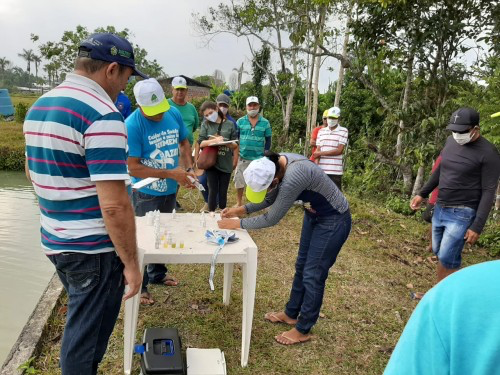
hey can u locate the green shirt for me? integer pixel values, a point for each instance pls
(189, 117)
(224, 161)
(253, 139)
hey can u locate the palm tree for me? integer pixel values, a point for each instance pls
(37, 60)
(28, 56)
(4, 64)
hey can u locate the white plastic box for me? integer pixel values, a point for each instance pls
(205, 362)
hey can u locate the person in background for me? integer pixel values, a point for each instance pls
(255, 137)
(188, 111)
(314, 134)
(215, 129)
(275, 182)
(156, 133)
(123, 104)
(223, 102)
(82, 185)
(467, 179)
(331, 143)
(454, 329)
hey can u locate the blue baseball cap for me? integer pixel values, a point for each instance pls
(109, 47)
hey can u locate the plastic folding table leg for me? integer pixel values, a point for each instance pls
(228, 279)
(249, 281)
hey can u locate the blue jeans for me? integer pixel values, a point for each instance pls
(320, 243)
(144, 203)
(94, 284)
(449, 225)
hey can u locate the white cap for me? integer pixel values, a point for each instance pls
(179, 83)
(252, 99)
(258, 176)
(150, 97)
(334, 112)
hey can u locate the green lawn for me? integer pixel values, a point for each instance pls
(365, 308)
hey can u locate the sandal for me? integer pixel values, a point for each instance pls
(146, 299)
(274, 318)
(290, 340)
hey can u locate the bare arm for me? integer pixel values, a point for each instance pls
(336, 151)
(119, 219)
(236, 153)
(139, 170)
(27, 170)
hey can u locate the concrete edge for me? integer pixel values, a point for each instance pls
(27, 343)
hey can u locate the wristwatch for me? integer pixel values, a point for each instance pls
(190, 169)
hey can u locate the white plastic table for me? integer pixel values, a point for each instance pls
(196, 250)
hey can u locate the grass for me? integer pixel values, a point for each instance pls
(366, 303)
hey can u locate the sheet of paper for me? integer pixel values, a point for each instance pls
(224, 143)
(144, 182)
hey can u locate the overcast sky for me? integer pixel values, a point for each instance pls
(163, 28)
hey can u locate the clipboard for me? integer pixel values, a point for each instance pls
(225, 143)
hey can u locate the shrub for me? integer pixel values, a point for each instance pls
(21, 111)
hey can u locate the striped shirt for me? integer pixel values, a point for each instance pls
(74, 136)
(303, 181)
(253, 138)
(328, 140)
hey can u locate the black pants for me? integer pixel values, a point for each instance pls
(218, 183)
(337, 179)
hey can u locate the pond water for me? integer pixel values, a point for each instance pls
(24, 269)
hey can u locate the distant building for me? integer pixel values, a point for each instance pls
(196, 89)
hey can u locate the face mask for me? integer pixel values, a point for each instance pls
(462, 139)
(212, 117)
(332, 122)
(223, 109)
(253, 112)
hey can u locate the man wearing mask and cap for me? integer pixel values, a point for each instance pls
(156, 133)
(255, 138)
(76, 158)
(467, 179)
(331, 143)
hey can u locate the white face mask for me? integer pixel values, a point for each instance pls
(253, 112)
(332, 122)
(223, 109)
(212, 117)
(462, 139)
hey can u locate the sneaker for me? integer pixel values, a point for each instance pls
(178, 206)
(204, 208)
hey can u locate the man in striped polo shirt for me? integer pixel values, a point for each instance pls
(255, 137)
(76, 158)
(331, 142)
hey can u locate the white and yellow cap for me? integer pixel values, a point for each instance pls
(333, 112)
(179, 83)
(258, 176)
(495, 115)
(150, 97)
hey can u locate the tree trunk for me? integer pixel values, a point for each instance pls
(340, 81)
(497, 201)
(404, 107)
(419, 181)
(407, 178)
(289, 99)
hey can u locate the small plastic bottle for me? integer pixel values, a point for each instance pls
(181, 244)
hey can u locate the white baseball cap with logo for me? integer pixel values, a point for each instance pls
(258, 176)
(150, 97)
(252, 99)
(179, 83)
(333, 112)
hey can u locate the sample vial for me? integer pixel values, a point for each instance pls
(174, 245)
(165, 244)
(181, 244)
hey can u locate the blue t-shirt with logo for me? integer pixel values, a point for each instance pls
(157, 145)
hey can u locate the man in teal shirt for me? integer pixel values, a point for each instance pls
(455, 328)
(255, 137)
(188, 111)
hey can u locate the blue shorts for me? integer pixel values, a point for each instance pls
(449, 225)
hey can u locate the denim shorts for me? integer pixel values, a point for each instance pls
(449, 225)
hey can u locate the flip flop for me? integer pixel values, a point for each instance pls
(147, 296)
(292, 341)
(417, 295)
(274, 318)
(170, 281)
